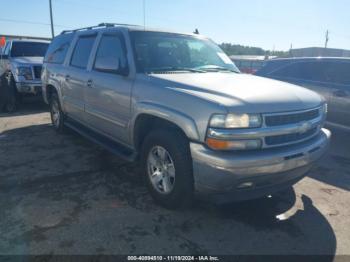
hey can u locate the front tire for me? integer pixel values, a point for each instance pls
(11, 101)
(167, 167)
(57, 115)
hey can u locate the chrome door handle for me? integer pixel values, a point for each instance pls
(89, 83)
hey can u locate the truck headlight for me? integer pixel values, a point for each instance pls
(26, 72)
(236, 121)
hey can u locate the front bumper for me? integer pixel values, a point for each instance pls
(34, 88)
(253, 174)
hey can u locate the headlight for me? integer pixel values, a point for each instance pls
(26, 72)
(236, 121)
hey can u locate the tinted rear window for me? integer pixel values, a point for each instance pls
(58, 49)
(319, 71)
(82, 51)
(29, 49)
(338, 72)
(270, 66)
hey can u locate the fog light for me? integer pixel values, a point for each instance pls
(217, 144)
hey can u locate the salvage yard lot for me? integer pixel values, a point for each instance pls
(61, 194)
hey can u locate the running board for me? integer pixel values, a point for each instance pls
(108, 144)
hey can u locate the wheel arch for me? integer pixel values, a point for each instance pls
(151, 116)
(48, 90)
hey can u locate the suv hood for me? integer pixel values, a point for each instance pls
(27, 60)
(242, 93)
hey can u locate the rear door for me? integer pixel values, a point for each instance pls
(75, 78)
(339, 106)
(308, 74)
(108, 97)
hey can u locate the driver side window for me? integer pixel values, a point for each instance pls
(111, 55)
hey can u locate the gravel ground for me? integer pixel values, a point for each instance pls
(61, 194)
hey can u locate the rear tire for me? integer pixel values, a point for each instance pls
(167, 168)
(57, 115)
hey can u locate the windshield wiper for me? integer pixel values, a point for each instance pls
(214, 68)
(175, 68)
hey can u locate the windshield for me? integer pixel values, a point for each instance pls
(29, 49)
(162, 52)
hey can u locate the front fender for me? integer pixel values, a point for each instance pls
(183, 121)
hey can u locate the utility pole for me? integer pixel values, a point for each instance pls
(51, 18)
(327, 39)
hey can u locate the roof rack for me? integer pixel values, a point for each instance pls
(102, 25)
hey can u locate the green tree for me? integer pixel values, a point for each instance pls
(231, 49)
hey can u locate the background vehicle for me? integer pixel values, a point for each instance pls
(330, 77)
(179, 104)
(249, 64)
(20, 69)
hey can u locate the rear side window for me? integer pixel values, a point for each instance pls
(269, 67)
(82, 51)
(338, 72)
(309, 71)
(318, 71)
(58, 49)
(111, 54)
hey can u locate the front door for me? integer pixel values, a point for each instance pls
(108, 97)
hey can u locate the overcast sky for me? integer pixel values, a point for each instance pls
(263, 23)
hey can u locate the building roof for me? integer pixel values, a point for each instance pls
(251, 57)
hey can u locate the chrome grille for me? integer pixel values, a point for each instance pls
(293, 118)
(286, 139)
(303, 126)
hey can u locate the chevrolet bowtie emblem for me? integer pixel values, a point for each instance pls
(304, 127)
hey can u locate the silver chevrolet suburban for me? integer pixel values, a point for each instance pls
(20, 70)
(178, 104)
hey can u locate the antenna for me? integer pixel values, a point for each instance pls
(144, 14)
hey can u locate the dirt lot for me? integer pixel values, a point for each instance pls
(61, 194)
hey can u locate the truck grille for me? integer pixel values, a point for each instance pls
(293, 118)
(307, 125)
(286, 139)
(37, 71)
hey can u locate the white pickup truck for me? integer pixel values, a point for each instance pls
(20, 71)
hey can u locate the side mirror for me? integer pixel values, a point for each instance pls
(109, 65)
(124, 71)
(4, 56)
